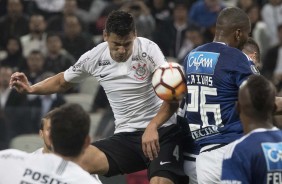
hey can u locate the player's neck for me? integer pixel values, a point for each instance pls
(46, 150)
(221, 37)
(251, 124)
(73, 159)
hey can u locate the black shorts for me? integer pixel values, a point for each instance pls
(125, 155)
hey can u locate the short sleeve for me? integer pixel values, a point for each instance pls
(80, 70)
(155, 56)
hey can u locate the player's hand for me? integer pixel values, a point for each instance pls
(150, 141)
(19, 82)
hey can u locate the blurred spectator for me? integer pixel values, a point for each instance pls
(57, 59)
(171, 33)
(272, 62)
(9, 97)
(92, 11)
(272, 15)
(36, 39)
(193, 38)
(39, 105)
(49, 8)
(15, 23)
(3, 5)
(12, 105)
(3, 131)
(35, 63)
(244, 4)
(160, 10)
(97, 27)
(74, 40)
(14, 58)
(56, 23)
(259, 28)
(204, 13)
(145, 23)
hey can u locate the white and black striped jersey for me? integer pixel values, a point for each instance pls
(127, 85)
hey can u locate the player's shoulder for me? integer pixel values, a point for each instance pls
(79, 174)
(92, 55)
(98, 49)
(238, 147)
(12, 152)
(11, 156)
(145, 43)
(38, 151)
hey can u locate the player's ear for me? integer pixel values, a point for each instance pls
(105, 35)
(238, 33)
(275, 108)
(87, 142)
(41, 133)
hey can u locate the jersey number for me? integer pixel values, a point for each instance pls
(176, 152)
(199, 104)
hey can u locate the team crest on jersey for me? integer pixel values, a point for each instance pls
(141, 71)
(273, 155)
(202, 62)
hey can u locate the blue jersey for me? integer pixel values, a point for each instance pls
(214, 72)
(189, 145)
(254, 159)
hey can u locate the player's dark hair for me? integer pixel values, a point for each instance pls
(252, 44)
(69, 128)
(48, 115)
(120, 23)
(232, 18)
(262, 94)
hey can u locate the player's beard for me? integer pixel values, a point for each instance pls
(122, 58)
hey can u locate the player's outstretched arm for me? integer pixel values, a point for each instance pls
(150, 138)
(50, 85)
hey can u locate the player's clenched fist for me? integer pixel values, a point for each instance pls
(19, 82)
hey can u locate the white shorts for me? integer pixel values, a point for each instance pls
(209, 164)
(190, 167)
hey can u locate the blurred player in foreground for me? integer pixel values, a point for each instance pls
(146, 135)
(257, 156)
(69, 139)
(44, 133)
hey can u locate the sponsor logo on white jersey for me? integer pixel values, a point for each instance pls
(104, 63)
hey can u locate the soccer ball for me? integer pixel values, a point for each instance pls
(169, 82)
